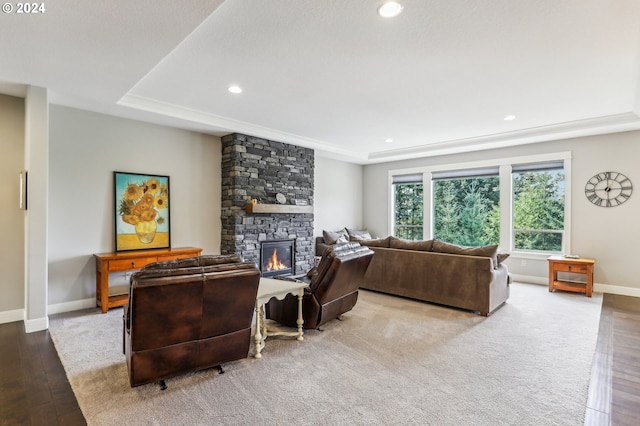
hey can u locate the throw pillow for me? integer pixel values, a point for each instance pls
(331, 238)
(502, 257)
(425, 245)
(360, 238)
(358, 234)
(484, 251)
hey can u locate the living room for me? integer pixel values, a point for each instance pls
(71, 207)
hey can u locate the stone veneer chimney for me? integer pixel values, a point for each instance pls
(254, 168)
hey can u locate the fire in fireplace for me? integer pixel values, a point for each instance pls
(276, 257)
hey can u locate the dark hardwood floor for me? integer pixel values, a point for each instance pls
(34, 389)
(33, 385)
(614, 391)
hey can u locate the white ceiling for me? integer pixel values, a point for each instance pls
(334, 76)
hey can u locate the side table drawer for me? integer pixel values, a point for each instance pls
(563, 267)
(128, 264)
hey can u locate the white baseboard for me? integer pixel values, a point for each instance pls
(616, 289)
(529, 279)
(597, 288)
(37, 324)
(43, 323)
(11, 316)
(76, 305)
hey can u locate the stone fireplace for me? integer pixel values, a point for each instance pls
(258, 169)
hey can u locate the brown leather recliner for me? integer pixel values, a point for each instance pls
(333, 288)
(187, 315)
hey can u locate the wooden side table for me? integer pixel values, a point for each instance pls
(129, 261)
(580, 265)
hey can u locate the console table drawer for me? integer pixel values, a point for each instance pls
(564, 267)
(129, 264)
(174, 257)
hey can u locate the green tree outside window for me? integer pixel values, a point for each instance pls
(409, 211)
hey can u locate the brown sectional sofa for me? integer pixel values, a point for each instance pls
(472, 278)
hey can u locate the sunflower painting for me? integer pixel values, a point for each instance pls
(141, 211)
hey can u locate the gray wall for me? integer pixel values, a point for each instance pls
(609, 235)
(12, 223)
(338, 195)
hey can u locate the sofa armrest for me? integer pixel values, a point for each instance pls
(321, 246)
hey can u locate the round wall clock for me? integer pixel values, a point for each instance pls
(281, 198)
(608, 189)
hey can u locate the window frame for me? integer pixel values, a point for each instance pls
(507, 238)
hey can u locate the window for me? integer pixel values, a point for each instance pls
(538, 206)
(519, 203)
(466, 206)
(408, 215)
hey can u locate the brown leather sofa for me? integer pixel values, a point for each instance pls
(471, 278)
(188, 314)
(333, 288)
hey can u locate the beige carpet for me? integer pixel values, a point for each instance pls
(390, 361)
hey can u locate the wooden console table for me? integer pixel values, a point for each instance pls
(575, 266)
(129, 261)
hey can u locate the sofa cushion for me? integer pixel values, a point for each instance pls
(358, 234)
(340, 236)
(424, 245)
(378, 242)
(485, 251)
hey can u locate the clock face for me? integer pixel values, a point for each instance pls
(281, 198)
(608, 189)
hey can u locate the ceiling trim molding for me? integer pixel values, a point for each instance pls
(222, 125)
(595, 126)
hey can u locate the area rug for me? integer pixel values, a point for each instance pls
(388, 361)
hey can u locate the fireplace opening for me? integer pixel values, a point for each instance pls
(276, 258)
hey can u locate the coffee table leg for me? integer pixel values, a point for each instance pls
(258, 336)
(300, 320)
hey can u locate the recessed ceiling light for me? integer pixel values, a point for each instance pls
(235, 89)
(390, 9)
(509, 117)
(388, 140)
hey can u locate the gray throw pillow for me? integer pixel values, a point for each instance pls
(358, 234)
(339, 236)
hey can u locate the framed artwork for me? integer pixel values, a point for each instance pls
(142, 218)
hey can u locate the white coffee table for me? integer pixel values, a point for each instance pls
(279, 289)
